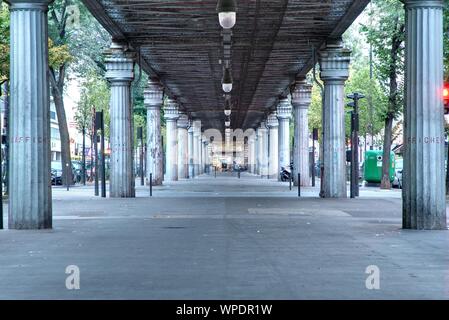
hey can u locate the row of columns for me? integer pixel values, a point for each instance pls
(30, 204)
(186, 148)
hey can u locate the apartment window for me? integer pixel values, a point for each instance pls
(55, 134)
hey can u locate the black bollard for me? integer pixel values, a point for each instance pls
(151, 184)
(299, 184)
(215, 171)
(239, 173)
(290, 182)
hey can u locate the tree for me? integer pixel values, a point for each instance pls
(4, 42)
(58, 24)
(95, 95)
(359, 81)
(72, 29)
(387, 35)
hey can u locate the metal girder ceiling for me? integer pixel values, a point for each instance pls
(181, 43)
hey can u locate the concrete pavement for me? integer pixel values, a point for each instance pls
(225, 238)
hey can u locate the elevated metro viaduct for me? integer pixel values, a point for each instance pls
(269, 52)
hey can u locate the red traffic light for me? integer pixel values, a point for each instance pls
(446, 97)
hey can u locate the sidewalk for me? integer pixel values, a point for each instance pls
(224, 238)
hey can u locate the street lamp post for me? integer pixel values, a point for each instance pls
(355, 142)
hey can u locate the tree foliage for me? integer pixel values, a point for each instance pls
(95, 95)
(4, 42)
(386, 33)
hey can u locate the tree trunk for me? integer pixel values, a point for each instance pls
(57, 88)
(386, 183)
(392, 106)
(6, 124)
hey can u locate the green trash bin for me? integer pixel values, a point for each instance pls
(373, 166)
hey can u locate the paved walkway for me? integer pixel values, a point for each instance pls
(225, 238)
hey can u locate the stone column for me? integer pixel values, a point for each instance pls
(252, 152)
(183, 140)
(204, 145)
(202, 155)
(30, 204)
(423, 190)
(334, 64)
(192, 172)
(259, 140)
(171, 154)
(196, 145)
(301, 100)
(153, 95)
(256, 151)
(263, 153)
(273, 151)
(284, 112)
(120, 73)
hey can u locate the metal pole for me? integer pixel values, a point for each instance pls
(103, 161)
(299, 185)
(84, 155)
(352, 188)
(313, 161)
(356, 153)
(151, 184)
(97, 191)
(239, 173)
(142, 182)
(215, 171)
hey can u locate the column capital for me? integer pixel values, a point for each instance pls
(284, 109)
(119, 63)
(435, 4)
(171, 110)
(302, 95)
(334, 61)
(153, 95)
(29, 4)
(272, 121)
(183, 121)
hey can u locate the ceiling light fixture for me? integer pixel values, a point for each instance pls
(227, 110)
(227, 80)
(227, 13)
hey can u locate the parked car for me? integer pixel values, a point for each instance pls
(399, 165)
(56, 173)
